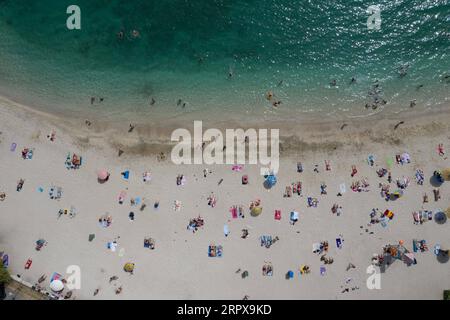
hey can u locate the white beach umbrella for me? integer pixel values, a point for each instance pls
(57, 285)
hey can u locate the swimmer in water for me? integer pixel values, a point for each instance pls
(353, 80)
(120, 34)
(135, 34)
(269, 95)
(230, 73)
(333, 83)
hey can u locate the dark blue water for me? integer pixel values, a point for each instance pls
(188, 50)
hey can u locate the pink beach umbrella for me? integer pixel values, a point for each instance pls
(102, 175)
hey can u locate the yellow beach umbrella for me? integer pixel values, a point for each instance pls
(448, 212)
(128, 267)
(256, 211)
(446, 174)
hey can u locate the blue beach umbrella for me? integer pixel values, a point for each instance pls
(271, 180)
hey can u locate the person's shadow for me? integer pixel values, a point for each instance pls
(434, 181)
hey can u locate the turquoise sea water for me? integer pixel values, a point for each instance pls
(187, 49)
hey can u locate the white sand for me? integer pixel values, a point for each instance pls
(179, 267)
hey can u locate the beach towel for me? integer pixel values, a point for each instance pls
(28, 263)
(323, 270)
(112, 246)
(437, 248)
(294, 216)
(416, 245)
(121, 252)
(233, 212)
(91, 237)
(339, 243)
(389, 162)
(277, 214)
(416, 217)
(5, 260)
(316, 248)
(384, 221)
(236, 168)
(126, 174)
(137, 201)
(371, 160)
(13, 147)
(122, 196)
(226, 231)
(342, 188)
(215, 251)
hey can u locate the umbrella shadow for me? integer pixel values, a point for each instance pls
(102, 181)
(434, 181)
(267, 185)
(443, 256)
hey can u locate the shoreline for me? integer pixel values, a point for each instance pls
(304, 135)
(179, 268)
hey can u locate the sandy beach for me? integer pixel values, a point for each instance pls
(179, 266)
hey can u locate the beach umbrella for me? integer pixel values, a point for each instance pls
(446, 174)
(256, 211)
(57, 285)
(440, 217)
(128, 267)
(448, 212)
(271, 180)
(396, 194)
(102, 174)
